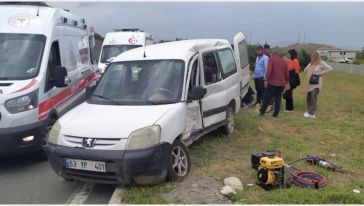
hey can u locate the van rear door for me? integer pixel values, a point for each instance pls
(242, 60)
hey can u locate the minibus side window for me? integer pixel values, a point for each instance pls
(54, 60)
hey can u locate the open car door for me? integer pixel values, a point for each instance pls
(213, 104)
(242, 59)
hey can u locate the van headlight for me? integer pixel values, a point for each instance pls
(54, 133)
(22, 103)
(144, 137)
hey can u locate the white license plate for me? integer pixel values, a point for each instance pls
(85, 165)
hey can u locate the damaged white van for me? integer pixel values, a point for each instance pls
(148, 106)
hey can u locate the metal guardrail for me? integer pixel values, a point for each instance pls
(351, 68)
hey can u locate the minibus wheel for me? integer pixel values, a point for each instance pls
(180, 162)
(228, 129)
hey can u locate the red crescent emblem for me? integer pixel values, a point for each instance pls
(133, 40)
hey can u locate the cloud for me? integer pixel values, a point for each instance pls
(276, 22)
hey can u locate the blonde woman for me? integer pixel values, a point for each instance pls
(314, 72)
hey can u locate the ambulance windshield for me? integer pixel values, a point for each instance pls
(20, 55)
(109, 52)
(141, 83)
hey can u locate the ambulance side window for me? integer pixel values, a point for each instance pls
(53, 61)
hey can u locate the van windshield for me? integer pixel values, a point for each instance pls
(20, 55)
(111, 51)
(146, 82)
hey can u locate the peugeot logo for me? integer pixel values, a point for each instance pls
(88, 142)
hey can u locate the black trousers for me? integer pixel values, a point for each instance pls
(289, 100)
(272, 92)
(259, 87)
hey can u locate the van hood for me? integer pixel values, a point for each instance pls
(110, 121)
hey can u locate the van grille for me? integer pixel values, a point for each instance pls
(99, 142)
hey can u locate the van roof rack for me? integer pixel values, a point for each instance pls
(24, 3)
(125, 30)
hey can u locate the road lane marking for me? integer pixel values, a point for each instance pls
(115, 197)
(81, 194)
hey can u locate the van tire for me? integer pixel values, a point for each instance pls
(180, 162)
(228, 129)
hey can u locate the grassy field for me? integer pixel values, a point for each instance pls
(338, 129)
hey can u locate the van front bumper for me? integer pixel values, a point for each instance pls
(11, 139)
(142, 167)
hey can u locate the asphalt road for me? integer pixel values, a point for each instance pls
(32, 181)
(350, 68)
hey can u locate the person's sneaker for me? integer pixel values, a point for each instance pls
(307, 115)
(288, 111)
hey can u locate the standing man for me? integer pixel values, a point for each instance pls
(277, 79)
(267, 50)
(261, 64)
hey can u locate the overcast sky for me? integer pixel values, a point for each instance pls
(278, 23)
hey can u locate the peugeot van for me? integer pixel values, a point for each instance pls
(44, 68)
(149, 105)
(120, 41)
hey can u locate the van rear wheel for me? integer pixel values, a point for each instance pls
(180, 163)
(228, 129)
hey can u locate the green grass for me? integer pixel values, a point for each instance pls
(339, 129)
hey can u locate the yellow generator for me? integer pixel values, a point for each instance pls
(271, 172)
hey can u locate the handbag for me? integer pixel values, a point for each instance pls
(298, 81)
(314, 79)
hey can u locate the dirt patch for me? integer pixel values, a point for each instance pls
(197, 190)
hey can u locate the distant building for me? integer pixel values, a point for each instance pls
(336, 54)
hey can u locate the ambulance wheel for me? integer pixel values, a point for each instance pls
(180, 162)
(228, 129)
(41, 153)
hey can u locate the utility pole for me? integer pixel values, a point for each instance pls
(304, 38)
(250, 37)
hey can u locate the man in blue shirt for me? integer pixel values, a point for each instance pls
(260, 68)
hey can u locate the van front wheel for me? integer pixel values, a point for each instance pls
(228, 129)
(180, 162)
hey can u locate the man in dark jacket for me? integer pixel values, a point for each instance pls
(277, 79)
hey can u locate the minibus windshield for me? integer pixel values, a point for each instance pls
(146, 82)
(111, 51)
(20, 55)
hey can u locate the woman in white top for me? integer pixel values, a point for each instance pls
(316, 68)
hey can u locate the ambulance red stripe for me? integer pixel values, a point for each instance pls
(32, 83)
(62, 96)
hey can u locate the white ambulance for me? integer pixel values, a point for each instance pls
(45, 65)
(120, 41)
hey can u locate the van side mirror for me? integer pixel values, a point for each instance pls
(60, 78)
(90, 90)
(197, 93)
